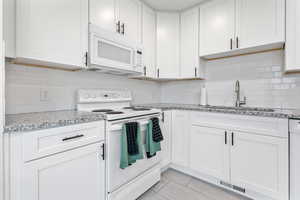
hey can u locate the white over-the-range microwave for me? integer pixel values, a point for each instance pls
(113, 53)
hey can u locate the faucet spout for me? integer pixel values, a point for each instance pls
(238, 102)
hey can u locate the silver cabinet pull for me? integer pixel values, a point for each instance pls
(158, 73)
(237, 42)
(72, 138)
(145, 70)
(196, 73)
(123, 29)
(232, 138)
(118, 26)
(225, 137)
(231, 43)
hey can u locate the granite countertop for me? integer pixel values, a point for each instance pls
(45, 120)
(252, 111)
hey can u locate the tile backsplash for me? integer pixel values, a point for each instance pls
(25, 84)
(261, 78)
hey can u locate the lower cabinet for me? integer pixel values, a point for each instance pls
(166, 126)
(209, 153)
(244, 154)
(180, 134)
(77, 174)
(260, 163)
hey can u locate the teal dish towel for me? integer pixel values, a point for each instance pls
(151, 146)
(126, 159)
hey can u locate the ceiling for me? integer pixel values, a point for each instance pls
(171, 5)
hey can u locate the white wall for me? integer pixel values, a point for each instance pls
(23, 85)
(261, 78)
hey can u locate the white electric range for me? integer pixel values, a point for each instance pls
(136, 179)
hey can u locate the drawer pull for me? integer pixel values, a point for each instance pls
(72, 138)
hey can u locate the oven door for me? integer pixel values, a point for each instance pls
(117, 177)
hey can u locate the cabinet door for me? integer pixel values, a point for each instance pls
(77, 174)
(292, 47)
(168, 45)
(209, 152)
(149, 41)
(130, 17)
(189, 43)
(260, 22)
(9, 27)
(166, 126)
(180, 137)
(217, 26)
(53, 31)
(260, 164)
(103, 14)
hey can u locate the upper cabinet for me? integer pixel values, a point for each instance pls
(230, 27)
(103, 14)
(216, 27)
(122, 16)
(149, 41)
(130, 18)
(9, 27)
(292, 48)
(189, 44)
(52, 32)
(168, 35)
(256, 26)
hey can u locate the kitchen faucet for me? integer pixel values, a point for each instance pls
(238, 102)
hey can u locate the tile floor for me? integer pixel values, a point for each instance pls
(178, 186)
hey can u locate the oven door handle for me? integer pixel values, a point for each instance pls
(118, 126)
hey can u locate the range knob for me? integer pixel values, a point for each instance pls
(106, 95)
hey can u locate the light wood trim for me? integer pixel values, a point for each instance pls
(166, 79)
(244, 54)
(292, 72)
(45, 67)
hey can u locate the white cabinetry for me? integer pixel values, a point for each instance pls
(166, 126)
(52, 32)
(103, 14)
(77, 174)
(122, 16)
(168, 28)
(260, 22)
(189, 44)
(292, 48)
(260, 163)
(216, 26)
(180, 137)
(2, 86)
(9, 27)
(209, 153)
(149, 41)
(245, 154)
(232, 27)
(130, 17)
(59, 163)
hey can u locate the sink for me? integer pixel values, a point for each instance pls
(240, 108)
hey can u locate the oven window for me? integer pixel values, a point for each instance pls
(112, 52)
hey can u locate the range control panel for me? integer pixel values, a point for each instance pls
(98, 95)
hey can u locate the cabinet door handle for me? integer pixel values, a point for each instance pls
(158, 73)
(103, 151)
(225, 137)
(196, 73)
(237, 42)
(72, 138)
(123, 29)
(118, 26)
(231, 43)
(232, 138)
(145, 70)
(163, 117)
(86, 59)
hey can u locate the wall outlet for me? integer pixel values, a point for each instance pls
(44, 95)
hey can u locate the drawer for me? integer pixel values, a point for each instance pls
(276, 127)
(39, 144)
